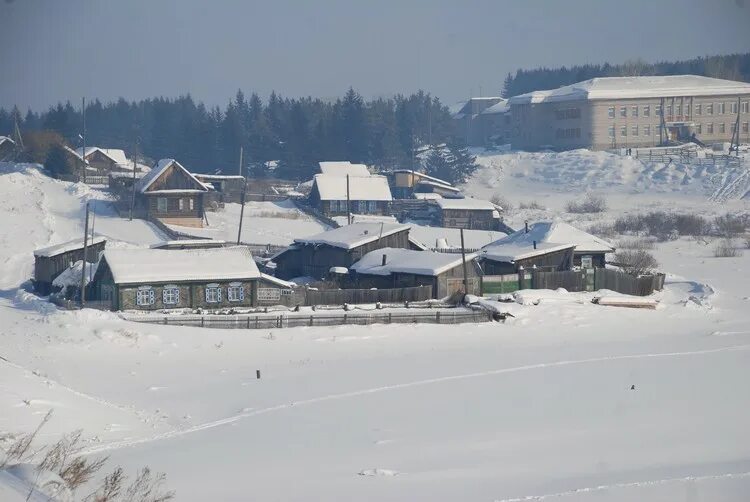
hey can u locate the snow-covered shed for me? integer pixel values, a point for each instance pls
(467, 213)
(314, 256)
(216, 278)
(367, 194)
(548, 246)
(172, 194)
(51, 261)
(402, 268)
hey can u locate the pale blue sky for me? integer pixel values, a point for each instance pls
(53, 50)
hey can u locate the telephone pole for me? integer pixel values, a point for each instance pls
(242, 207)
(348, 203)
(83, 137)
(135, 165)
(85, 252)
(463, 263)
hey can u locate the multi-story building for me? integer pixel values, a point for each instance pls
(622, 112)
(474, 119)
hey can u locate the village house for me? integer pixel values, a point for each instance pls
(105, 160)
(314, 256)
(527, 249)
(170, 193)
(153, 279)
(407, 182)
(467, 213)
(587, 247)
(343, 168)
(331, 194)
(402, 268)
(51, 261)
(222, 189)
(7, 149)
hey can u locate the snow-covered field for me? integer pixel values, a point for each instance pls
(538, 408)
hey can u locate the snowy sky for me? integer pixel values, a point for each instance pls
(55, 50)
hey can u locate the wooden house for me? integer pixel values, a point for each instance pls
(529, 248)
(105, 160)
(586, 245)
(402, 268)
(406, 182)
(367, 195)
(154, 279)
(314, 256)
(7, 149)
(222, 189)
(170, 193)
(51, 261)
(474, 214)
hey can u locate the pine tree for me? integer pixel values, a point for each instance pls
(57, 162)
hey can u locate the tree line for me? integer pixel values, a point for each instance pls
(730, 67)
(292, 134)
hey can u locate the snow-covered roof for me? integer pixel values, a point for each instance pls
(424, 176)
(439, 185)
(501, 107)
(67, 246)
(354, 235)
(426, 196)
(138, 266)
(71, 276)
(189, 243)
(428, 237)
(331, 187)
(342, 168)
(636, 87)
(277, 281)
(218, 177)
(116, 155)
(145, 182)
(408, 261)
(549, 237)
(466, 203)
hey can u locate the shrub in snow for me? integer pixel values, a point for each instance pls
(532, 204)
(590, 204)
(500, 200)
(726, 249)
(664, 226)
(603, 230)
(636, 243)
(636, 261)
(729, 226)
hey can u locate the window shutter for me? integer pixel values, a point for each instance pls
(242, 293)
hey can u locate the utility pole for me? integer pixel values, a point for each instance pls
(348, 203)
(135, 164)
(85, 251)
(463, 263)
(735, 144)
(242, 207)
(83, 137)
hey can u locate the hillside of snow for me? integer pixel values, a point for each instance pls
(537, 408)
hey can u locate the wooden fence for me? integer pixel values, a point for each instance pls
(291, 320)
(354, 296)
(575, 280)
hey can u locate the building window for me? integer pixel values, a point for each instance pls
(698, 108)
(611, 131)
(213, 293)
(721, 109)
(634, 110)
(678, 109)
(698, 128)
(734, 107)
(634, 130)
(687, 110)
(161, 204)
(745, 107)
(171, 295)
(180, 204)
(710, 128)
(623, 111)
(710, 109)
(611, 112)
(372, 206)
(362, 206)
(647, 111)
(192, 204)
(657, 110)
(235, 292)
(722, 128)
(744, 127)
(669, 110)
(623, 130)
(647, 130)
(568, 113)
(145, 296)
(334, 206)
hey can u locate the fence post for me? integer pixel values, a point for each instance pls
(390, 317)
(165, 320)
(437, 317)
(256, 322)
(248, 322)
(202, 321)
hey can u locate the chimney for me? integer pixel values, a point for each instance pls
(526, 225)
(534, 244)
(384, 260)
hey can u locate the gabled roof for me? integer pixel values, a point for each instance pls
(332, 187)
(354, 235)
(501, 107)
(342, 168)
(139, 266)
(424, 176)
(145, 182)
(116, 155)
(549, 237)
(636, 87)
(67, 246)
(466, 203)
(408, 261)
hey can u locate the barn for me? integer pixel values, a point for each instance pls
(51, 261)
(403, 268)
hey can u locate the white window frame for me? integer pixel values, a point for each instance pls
(669, 110)
(334, 206)
(624, 131)
(647, 111)
(192, 204)
(162, 204)
(623, 111)
(710, 128)
(213, 293)
(698, 108)
(745, 106)
(611, 112)
(170, 295)
(611, 131)
(745, 127)
(634, 111)
(699, 128)
(362, 206)
(647, 130)
(710, 109)
(657, 110)
(180, 204)
(634, 131)
(734, 107)
(145, 296)
(235, 292)
(722, 128)
(721, 109)
(678, 110)
(372, 206)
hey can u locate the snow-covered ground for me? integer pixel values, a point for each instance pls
(538, 408)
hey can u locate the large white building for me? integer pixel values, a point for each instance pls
(613, 112)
